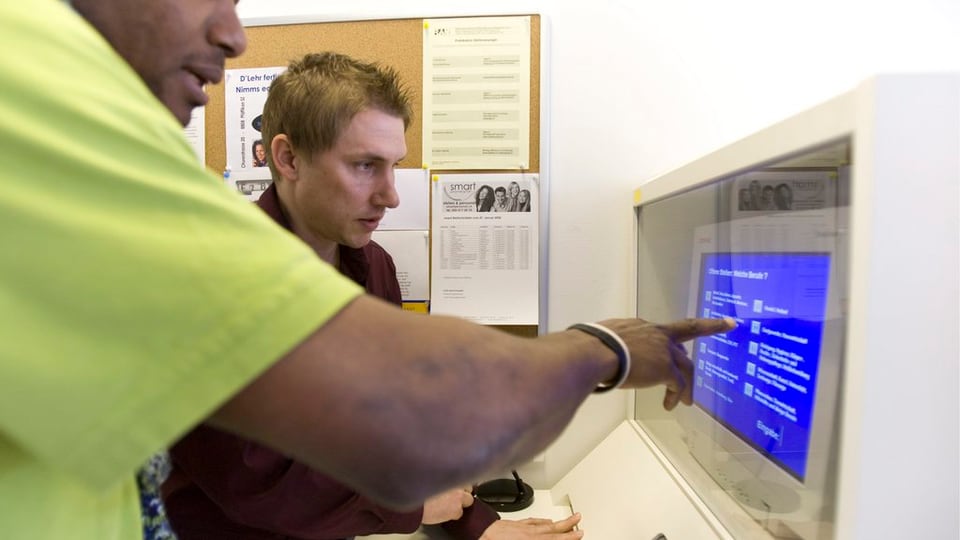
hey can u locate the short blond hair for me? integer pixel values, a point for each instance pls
(314, 100)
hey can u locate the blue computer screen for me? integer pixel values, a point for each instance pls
(759, 380)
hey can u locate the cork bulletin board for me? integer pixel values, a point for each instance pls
(394, 42)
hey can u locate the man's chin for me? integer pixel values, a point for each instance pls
(358, 242)
(182, 113)
(181, 108)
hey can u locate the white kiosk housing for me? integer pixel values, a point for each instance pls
(832, 411)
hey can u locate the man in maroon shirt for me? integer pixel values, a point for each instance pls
(333, 181)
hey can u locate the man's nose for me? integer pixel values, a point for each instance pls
(387, 195)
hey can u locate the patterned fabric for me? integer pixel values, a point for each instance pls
(149, 478)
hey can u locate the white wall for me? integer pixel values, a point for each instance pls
(637, 87)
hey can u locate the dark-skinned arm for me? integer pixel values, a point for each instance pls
(401, 406)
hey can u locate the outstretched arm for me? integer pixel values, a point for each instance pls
(401, 406)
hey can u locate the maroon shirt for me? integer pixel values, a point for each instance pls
(226, 487)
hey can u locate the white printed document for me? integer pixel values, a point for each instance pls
(476, 93)
(485, 246)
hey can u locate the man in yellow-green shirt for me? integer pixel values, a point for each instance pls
(102, 250)
(139, 297)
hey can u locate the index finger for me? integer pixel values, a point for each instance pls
(687, 329)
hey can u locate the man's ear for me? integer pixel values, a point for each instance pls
(284, 158)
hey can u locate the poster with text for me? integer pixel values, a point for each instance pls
(410, 251)
(245, 92)
(476, 93)
(485, 247)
